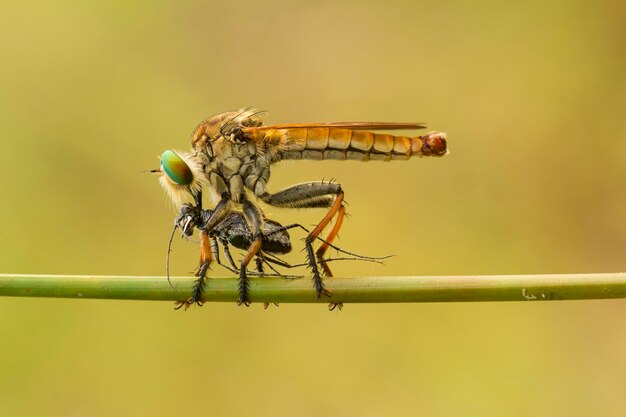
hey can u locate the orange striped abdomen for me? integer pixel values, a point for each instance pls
(339, 143)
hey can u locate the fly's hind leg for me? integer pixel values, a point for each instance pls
(326, 243)
(321, 251)
(312, 194)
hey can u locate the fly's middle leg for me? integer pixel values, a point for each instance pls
(254, 219)
(313, 194)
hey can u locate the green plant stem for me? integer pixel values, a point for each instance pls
(349, 290)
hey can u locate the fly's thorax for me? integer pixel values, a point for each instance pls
(225, 124)
(256, 175)
(235, 166)
(210, 129)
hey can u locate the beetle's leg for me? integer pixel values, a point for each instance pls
(312, 194)
(226, 247)
(222, 209)
(271, 259)
(259, 267)
(377, 259)
(259, 263)
(206, 258)
(215, 248)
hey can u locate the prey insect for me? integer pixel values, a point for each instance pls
(232, 154)
(235, 231)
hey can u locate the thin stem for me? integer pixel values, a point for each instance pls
(347, 290)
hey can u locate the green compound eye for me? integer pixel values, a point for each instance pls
(176, 168)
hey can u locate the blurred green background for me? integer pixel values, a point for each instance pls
(533, 98)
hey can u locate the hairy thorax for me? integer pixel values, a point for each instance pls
(232, 166)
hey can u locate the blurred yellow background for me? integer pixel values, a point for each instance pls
(533, 98)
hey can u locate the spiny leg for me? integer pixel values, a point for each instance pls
(232, 267)
(270, 259)
(321, 251)
(313, 194)
(317, 278)
(254, 219)
(243, 279)
(259, 263)
(215, 248)
(307, 195)
(235, 270)
(259, 267)
(222, 209)
(377, 259)
(206, 258)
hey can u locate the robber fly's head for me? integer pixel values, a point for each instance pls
(181, 176)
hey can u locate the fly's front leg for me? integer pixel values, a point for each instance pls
(312, 194)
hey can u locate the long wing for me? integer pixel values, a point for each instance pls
(342, 125)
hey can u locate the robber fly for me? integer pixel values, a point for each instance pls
(232, 152)
(235, 231)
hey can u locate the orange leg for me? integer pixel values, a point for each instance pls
(313, 194)
(321, 251)
(317, 278)
(243, 279)
(206, 257)
(327, 218)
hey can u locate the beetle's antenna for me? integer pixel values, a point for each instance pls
(167, 258)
